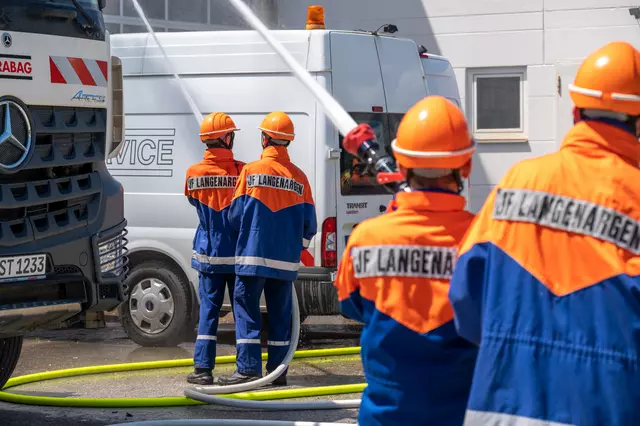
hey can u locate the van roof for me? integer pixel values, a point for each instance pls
(223, 52)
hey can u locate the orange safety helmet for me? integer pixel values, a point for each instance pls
(609, 79)
(434, 134)
(215, 126)
(278, 125)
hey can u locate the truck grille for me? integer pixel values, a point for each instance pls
(59, 189)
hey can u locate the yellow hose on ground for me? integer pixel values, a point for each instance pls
(171, 401)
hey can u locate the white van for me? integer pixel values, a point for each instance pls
(439, 77)
(375, 78)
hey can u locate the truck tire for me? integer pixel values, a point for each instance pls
(10, 348)
(158, 309)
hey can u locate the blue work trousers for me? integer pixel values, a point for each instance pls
(211, 292)
(246, 302)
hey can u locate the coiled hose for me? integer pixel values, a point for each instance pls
(233, 396)
(207, 394)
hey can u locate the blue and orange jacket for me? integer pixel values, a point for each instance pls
(209, 187)
(394, 277)
(274, 213)
(548, 283)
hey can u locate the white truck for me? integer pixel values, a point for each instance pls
(62, 226)
(375, 77)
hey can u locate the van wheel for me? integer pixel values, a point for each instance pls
(158, 308)
(10, 348)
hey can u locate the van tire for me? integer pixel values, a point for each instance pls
(176, 331)
(10, 348)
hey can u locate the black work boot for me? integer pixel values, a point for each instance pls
(200, 376)
(236, 378)
(280, 381)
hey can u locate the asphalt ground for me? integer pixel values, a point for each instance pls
(53, 350)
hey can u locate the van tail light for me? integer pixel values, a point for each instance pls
(329, 243)
(424, 55)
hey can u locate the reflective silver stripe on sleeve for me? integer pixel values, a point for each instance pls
(487, 418)
(203, 258)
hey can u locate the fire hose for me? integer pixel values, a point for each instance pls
(236, 396)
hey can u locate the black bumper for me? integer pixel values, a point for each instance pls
(73, 283)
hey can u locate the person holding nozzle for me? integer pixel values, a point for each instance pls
(274, 213)
(209, 187)
(394, 276)
(548, 280)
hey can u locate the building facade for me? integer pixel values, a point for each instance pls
(513, 61)
(513, 58)
(183, 15)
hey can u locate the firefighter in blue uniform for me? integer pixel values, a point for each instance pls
(209, 187)
(273, 211)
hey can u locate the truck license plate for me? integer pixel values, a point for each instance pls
(23, 266)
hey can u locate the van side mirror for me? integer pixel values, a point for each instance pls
(102, 4)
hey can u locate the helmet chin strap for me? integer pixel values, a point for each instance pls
(438, 173)
(459, 180)
(220, 143)
(274, 142)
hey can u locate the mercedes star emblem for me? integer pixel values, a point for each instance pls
(15, 139)
(6, 40)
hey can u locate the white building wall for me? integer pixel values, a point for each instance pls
(531, 35)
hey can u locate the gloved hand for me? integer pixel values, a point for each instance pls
(361, 133)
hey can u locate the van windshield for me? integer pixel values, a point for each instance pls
(355, 179)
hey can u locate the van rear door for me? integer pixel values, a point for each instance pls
(440, 78)
(376, 79)
(357, 86)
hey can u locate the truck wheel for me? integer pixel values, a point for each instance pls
(10, 348)
(158, 309)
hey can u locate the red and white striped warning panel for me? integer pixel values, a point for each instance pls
(87, 72)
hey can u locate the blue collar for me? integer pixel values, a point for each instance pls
(441, 190)
(616, 123)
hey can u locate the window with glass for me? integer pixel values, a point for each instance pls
(112, 7)
(498, 104)
(154, 9)
(191, 11)
(113, 28)
(355, 179)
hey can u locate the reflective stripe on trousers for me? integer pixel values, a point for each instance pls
(211, 291)
(246, 302)
(205, 337)
(247, 341)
